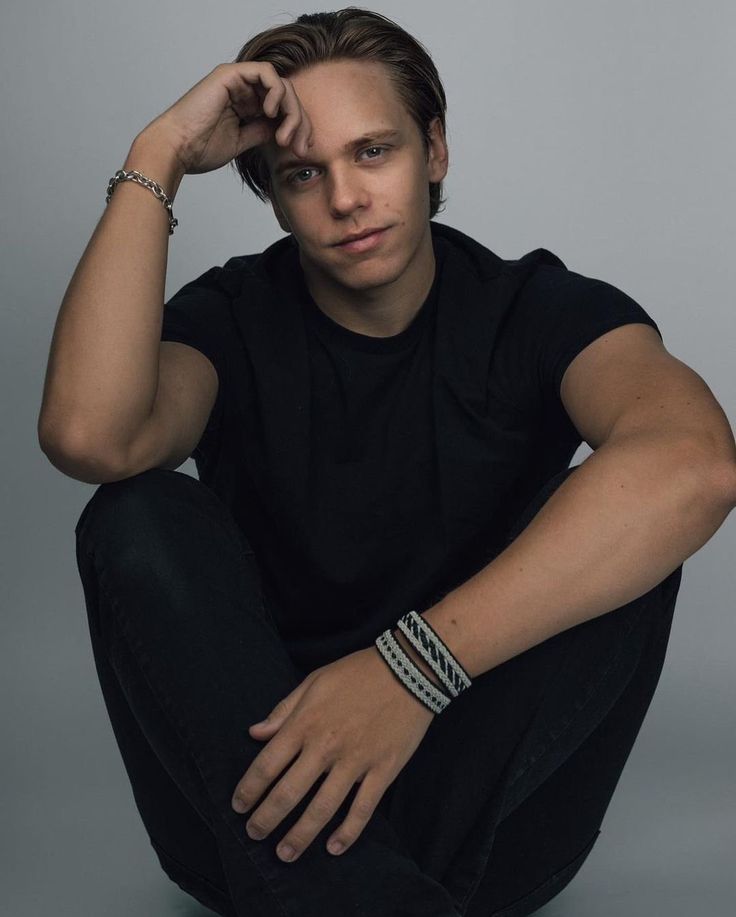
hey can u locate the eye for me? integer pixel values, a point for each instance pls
(294, 180)
(374, 148)
(293, 176)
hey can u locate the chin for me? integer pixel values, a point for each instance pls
(372, 272)
(380, 269)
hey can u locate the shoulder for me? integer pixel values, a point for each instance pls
(541, 265)
(553, 287)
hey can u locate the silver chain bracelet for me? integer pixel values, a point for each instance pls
(136, 176)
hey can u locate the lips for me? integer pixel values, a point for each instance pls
(368, 232)
(365, 243)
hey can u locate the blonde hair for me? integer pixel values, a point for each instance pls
(355, 34)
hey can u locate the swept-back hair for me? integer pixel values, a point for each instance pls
(351, 33)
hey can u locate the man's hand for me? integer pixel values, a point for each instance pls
(236, 107)
(350, 718)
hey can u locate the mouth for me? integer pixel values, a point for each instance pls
(364, 243)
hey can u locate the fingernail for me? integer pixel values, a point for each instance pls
(336, 847)
(285, 852)
(239, 805)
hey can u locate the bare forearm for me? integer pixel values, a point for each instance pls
(628, 516)
(102, 372)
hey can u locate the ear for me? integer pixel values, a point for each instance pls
(438, 157)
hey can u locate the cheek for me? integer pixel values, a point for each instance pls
(409, 185)
(302, 218)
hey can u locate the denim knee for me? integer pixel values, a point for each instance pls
(127, 512)
(155, 530)
(112, 497)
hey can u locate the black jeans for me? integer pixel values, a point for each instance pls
(188, 655)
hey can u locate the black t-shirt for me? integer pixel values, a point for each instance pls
(373, 475)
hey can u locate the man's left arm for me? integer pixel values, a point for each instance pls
(660, 482)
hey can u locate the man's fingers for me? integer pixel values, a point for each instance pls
(263, 770)
(321, 809)
(291, 105)
(281, 99)
(369, 794)
(272, 102)
(285, 795)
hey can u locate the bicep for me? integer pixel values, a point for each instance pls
(626, 382)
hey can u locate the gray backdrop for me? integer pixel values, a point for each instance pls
(603, 131)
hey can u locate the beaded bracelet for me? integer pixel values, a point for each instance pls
(434, 651)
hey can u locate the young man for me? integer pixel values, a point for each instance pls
(379, 405)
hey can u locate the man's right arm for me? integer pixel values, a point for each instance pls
(102, 374)
(117, 400)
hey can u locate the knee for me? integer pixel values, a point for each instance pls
(125, 512)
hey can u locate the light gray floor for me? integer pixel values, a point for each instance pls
(74, 845)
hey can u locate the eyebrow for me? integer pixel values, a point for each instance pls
(365, 139)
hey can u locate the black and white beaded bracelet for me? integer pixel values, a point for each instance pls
(434, 651)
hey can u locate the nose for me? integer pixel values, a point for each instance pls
(346, 191)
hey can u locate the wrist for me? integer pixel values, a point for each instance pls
(448, 679)
(154, 156)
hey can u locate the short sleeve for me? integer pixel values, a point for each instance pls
(557, 314)
(198, 314)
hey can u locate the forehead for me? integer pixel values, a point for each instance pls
(345, 82)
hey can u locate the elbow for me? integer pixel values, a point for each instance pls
(74, 458)
(717, 468)
(725, 481)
